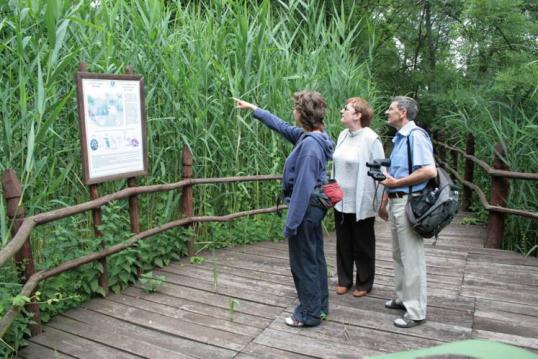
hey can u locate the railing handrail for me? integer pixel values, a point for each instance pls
(482, 196)
(29, 223)
(34, 280)
(488, 169)
(499, 174)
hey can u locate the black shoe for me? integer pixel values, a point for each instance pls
(394, 304)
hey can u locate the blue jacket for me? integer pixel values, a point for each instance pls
(304, 168)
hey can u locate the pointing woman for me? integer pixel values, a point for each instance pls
(304, 170)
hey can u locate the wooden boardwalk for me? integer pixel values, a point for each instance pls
(472, 293)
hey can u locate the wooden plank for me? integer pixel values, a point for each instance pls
(235, 290)
(192, 331)
(113, 338)
(224, 277)
(491, 322)
(435, 278)
(496, 306)
(73, 345)
(251, 262)
(432, 282)
(37, 351)
(259, 351)
(505, 279)
(186, 316)
(383, 321)
(385, 293)
(362, 337)
(505, 292)
(200, 308)
(494, 268)
(219, 300)
(234, 271)
(504, 258)
(142, 334)
(443, 314)
(310, 346)
(455, 270)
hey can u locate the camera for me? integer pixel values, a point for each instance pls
(375, 168)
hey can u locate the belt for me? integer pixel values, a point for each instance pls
(397, 194)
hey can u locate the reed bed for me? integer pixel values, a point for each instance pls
(194, 57)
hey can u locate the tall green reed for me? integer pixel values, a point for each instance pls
(194, 58)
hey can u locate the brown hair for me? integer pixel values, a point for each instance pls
(362, 106)
(311, 107)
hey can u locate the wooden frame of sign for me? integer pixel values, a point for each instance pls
(112, 119)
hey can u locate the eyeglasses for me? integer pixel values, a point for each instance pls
(347, 108)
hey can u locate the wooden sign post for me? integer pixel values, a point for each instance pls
(112, 120)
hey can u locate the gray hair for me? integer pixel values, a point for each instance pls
(408, 104)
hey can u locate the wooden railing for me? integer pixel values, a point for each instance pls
(500, 185)
(19, 246)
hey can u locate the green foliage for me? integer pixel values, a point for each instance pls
(150, 282)
(233, 305)
(9, 290)
(472, 66)
(197, 260)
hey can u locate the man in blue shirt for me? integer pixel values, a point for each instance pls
(401, 182)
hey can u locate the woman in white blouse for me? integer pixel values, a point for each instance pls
(355, 214)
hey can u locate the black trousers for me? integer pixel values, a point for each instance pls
(355, 244)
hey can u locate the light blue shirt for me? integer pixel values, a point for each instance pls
(421, 151)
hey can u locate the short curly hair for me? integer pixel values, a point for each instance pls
(408, 104)
(362, 106)
(311, 107)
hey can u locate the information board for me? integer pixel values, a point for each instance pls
(113, 126)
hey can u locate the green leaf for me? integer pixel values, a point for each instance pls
(20, 300)
(30, 149)
(51, 16)
(40, 90)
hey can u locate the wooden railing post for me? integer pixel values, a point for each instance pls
(24, 260)
(133, 200)
(186, 197)
(96, 215)
(499, 197)
(131, 182)
(468, 173)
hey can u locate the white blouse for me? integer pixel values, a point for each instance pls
(353, 150)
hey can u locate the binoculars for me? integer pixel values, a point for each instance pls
(375, 168)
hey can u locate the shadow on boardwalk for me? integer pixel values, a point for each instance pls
(472, 293)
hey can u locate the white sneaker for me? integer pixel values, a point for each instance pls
(292, 322)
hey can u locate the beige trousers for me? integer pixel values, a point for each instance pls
(409, 261)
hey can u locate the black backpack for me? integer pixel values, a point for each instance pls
(436, 206)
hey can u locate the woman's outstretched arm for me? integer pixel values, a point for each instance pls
(291, 133)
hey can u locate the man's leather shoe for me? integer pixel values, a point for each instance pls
(341, 290)
(394, 304)
(360, 293)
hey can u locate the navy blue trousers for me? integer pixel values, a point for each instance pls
(309, 268)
